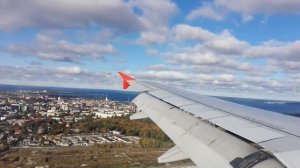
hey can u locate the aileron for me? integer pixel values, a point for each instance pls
(203, 111)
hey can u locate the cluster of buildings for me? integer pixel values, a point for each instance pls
(88, 140)
(20, 107)
(77, 140)
(31, 104)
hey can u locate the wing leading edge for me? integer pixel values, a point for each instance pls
(215, 133)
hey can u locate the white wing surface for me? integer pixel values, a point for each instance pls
(214, 133)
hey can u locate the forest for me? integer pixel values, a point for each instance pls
(151, 135)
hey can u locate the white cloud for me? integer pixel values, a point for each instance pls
(287, 51)
(228, 83)
(267, 7)
(157, 67)
(226, 77)
(245, 8)
(204, 77)
(227, 51)
(283, 66)
(155, 13)
(116, 15)
(213, 78)
(222, 62)
(163, 75)
(16, 14)
(205, 12)
(155, 17)
(226, 44)
(193, 58)
(70, 70)
(247, 18)
(193, 54)
(237, 65)
(280, 56)
(223, 43)
(48, 48)
(150, 37)
(187, 32)
(152, 52)
(67, 76)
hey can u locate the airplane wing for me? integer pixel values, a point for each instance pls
(214, 133)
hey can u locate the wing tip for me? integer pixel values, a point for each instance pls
(125, 79)
(125, 76)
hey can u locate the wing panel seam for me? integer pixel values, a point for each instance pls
(245, 118)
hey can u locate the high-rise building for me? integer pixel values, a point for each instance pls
(15, 107)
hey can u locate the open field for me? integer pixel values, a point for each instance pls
(94, 156)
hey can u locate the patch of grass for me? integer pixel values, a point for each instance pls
(94, 156)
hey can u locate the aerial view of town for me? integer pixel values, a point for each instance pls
(39, 129)
(149, 83)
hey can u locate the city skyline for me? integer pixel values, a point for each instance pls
(219, 47)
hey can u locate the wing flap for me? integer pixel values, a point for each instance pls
(290, 158)
(203, 111)
(284, 144)
(161, 93)
(178, 101)
(172, 155)
(246, 129)
(139, 115)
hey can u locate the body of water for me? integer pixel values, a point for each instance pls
(75, 92)
(286, 107)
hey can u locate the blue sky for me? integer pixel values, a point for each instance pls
(216, 47)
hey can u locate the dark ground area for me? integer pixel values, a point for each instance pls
(95, 156)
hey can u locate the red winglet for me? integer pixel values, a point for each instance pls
(125, 79)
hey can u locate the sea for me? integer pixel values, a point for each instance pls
(285, 107)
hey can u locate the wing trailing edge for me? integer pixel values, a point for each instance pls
(139, 115)
(172, 155)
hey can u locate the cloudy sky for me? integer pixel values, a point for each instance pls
(218, 47)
